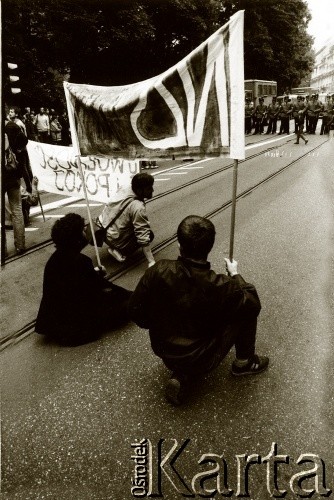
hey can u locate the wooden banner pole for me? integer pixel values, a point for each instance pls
(41, 206)
(76, 147)
(234, 200)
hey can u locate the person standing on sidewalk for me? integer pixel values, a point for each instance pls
(259, 116)
(11, 184)
(313, 110)
(20, 153)
(327, 115)
(13, 115)
(273, 110)
(43, 126)
(30, 123)
(249, 110)
(194, 315)
(55, 130)
(285, 113)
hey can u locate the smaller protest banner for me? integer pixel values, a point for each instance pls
(106, 178)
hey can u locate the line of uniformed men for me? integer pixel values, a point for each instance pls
(310, 106)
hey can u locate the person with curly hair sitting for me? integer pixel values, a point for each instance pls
(78, 302)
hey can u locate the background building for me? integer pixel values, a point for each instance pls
(322, 78)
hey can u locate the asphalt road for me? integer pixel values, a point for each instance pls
(70, 415)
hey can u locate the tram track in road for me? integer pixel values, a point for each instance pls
(15, 337)
(168, 241)
(48, 242)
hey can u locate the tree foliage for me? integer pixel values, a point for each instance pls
(115, 42)
(286, 47)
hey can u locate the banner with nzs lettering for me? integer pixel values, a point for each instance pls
(107, 179)
(195, 108)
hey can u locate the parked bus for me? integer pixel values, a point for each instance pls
(254, 89)
(294, 97)
(304, 90)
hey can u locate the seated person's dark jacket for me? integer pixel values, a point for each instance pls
(74, 298)
(185, 305)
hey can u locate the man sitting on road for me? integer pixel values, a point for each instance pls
(194, 315)
(78, 302)
(131, 228)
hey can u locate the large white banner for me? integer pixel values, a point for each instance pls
(195, 108)
(107, 179)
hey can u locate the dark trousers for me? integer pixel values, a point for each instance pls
(248, 124)
(258, 124)
(312, 124)
(285, 125)
(43, 137)
(240, 333)
(23, 160)
(325, 125)
(307, 121)
(272, 125)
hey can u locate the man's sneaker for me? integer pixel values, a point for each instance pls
(256, 364)
(116, 254)
(174, 391)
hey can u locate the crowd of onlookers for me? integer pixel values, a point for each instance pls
(45, 126)
(20, 188)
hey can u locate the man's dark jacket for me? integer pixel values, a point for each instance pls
(17, 139)
(185, 305)
(17, 142)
